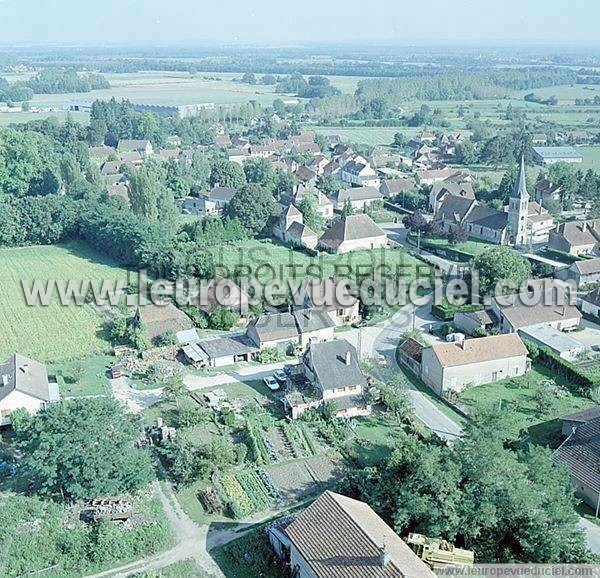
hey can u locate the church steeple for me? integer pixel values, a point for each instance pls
(518, 209)
(520, 189)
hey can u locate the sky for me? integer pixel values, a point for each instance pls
(300, 22)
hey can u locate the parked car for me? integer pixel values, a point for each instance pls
(359, 324)
(271, 383)
(280, 375)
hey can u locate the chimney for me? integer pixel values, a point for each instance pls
(348, 357)
(4, 380)
(384, 557)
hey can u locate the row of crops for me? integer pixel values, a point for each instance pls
(249, 492)
(299, 439)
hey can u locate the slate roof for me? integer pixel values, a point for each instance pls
(593, 297)
(301, 231)
(352, 227)
(584, 415)
(479, 350)
(487, 217)
(456, 189)
(455, 208)
(223, 193)
(19, 373)
(520, 189)
(343, 538)
(580, 452)
(328, 361)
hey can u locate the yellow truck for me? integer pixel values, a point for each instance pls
(436, 552)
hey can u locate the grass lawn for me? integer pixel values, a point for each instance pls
(54, 332)
(472, 246)
(248, 557)
(269, 260)
(515, 398)
(374, 439)
(591, 157)
(82, 377)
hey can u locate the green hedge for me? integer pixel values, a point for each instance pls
(446, 312)
(565, 368)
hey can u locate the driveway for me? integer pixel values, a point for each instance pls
(589, 336)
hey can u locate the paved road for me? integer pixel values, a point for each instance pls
(417, 316)
(592, 533)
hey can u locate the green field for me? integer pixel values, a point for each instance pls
(54, 332)
(19, 117)
(515, 398)
(367, 135)
(266, 260)
(591, 158)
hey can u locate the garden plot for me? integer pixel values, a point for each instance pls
(301, 479)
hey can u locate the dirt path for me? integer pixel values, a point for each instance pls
(191, 542)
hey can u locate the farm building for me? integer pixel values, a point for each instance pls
(557, 341)
(551, 155)
(162, 319)
(219, 351)
(586, 272)
(353, 233)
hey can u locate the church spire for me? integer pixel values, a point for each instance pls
(520, 190)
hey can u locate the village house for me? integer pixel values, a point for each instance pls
(329, 372)
(160, 320)
(141, 146)
(358, 172)
(430, 176)
(441, 190)
(550, 306)
(547, 191)
(340, 537)
(101, 152)
(590, 303)
(457, 365)
(353, 233)
(343, 308)
(580, 452)
(473, 322)
(221, 292)
(539, 139)
(539, 223)
(209, 203)
(305, 175)
(119, 191)
(576, 237)
(133, 158)
(551, 155)
(585, 272)
(357, 197)
(290, 228)
(288, 331)
(24, 385)
(390, 188)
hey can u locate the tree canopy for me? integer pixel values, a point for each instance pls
(83, 448)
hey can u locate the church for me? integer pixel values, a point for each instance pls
(521, 223)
